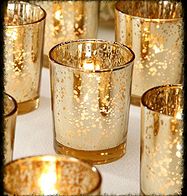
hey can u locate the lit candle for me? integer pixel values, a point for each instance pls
(90, 98)
(48, 179)
(51, 175)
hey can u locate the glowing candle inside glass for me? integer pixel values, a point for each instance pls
(51, 175)
(90, 82)
(48, 179)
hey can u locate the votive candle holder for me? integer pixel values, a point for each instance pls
(24, 35)
(90, 90)
(154, 31)
(51, 175)
(69, 20)
(162, 140)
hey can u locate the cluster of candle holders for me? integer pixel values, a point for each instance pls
(91, 82)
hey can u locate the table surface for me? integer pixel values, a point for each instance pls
(34, 136)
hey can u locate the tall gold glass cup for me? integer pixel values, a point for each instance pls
(24, 34)
(154, 31)
(91, 86)
(162, 140)
(69, 20)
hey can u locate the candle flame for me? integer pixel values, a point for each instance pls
(178, 115)
(158, 49)
(58, 15)
(48, 179)
(89, 65)
(12, 33)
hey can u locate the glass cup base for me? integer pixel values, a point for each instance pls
(28, 106)
(135, 100)
(92, 157)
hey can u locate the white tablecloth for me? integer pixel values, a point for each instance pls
(34, 136)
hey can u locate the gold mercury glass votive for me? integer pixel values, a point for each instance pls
(154, 31)
(10, 114)
(162, 140)
(51, 175)
(69, 20)
(24, 34)
(90, 87)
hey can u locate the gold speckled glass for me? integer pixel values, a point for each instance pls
(69, 20)
(51, 175)
(24, 34)
(91, 86)
(10, 114)
(154, 31)
(162, 140)
(107, 11)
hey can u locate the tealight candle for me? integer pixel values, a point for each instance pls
(51, 175)
(90, 85)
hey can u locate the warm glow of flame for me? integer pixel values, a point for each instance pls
(179, 115)
(58, 15)
(11, 6)
(157, 49)
(12, 33)
(48, 179)
(89, 65)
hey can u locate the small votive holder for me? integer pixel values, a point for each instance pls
(24, 34)
(51, 175)
(90, 90)
(154, 31)
(10, 114)
(162, 140)
(68, 20)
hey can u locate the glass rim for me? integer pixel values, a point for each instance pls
(167, 86)
(60, 158)
(27, 23)
(118, 9)
(15, 108)
(123, 65)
